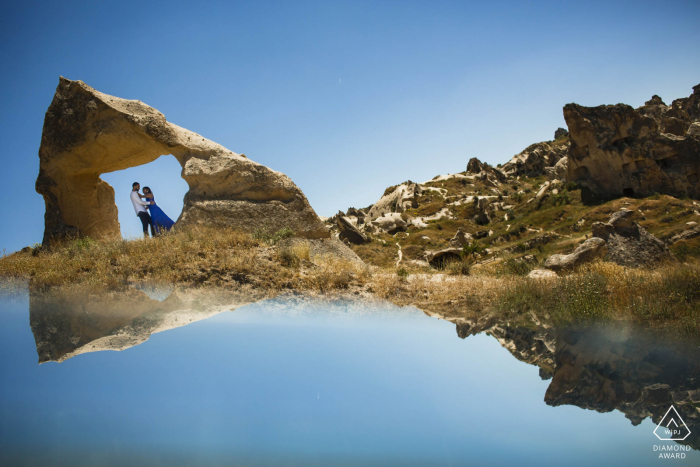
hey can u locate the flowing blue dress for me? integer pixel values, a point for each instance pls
(161, 222)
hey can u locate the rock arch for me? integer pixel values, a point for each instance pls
(87, 133)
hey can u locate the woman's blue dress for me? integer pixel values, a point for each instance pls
(161, 222)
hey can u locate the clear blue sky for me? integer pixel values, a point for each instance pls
(346, 98)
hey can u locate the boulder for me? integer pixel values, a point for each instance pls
(620, 151)
(629, 244)
(87, 133)
(588, 251)
(349, 232)
(694, 130)
(460, 239)
(390, 223)
(543, 274)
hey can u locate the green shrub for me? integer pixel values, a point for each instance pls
(264, 235)
(516, 268)
(456, 268)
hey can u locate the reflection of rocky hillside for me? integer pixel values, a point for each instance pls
(66, 325)
(603, 369)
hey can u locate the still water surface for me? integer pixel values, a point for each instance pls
(289, 382)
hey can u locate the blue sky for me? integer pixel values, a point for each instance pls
(346, 98)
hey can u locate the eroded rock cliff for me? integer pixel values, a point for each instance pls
(620, 151)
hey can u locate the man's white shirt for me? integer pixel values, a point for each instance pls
(138, 204)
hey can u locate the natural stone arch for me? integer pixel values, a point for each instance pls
(87, 133)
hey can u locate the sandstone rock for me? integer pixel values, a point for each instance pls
(486, 173)
(542, 274)
(558, 172)
(460, 239)
(349, 232)
(399, 199)
(87, 133)
(655, 100)
(439, 258)
(390, 223)
(560, 132)
(588, 251)
(620, 151)
(535, 159)
(694, 130)
(474, 166)
(320, 249)
(687, 234)
(628, 243)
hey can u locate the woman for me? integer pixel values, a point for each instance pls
(161, 222)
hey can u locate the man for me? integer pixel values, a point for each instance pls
(141, 210)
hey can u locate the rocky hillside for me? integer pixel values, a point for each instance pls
(544, 200)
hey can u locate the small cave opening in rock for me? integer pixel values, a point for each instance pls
(441, 261)
(628, 192)
(582, 173)
(162, 176)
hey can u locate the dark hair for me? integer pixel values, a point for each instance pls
(134, 184)
(149, 190)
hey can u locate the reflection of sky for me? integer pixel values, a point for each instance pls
(271, 387)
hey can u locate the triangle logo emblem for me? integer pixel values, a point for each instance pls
(672, 427)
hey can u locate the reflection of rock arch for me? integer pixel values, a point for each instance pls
(87, 133)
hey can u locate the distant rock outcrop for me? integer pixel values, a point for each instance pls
(87, 133)
(536, 158)
(560, 132)
(620, 151)
(628, 243)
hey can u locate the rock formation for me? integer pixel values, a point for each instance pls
(620, 151)
(628, 243)
(87, 133)
(396, 199)
(349, 232)
(560, 132)
(536, 159)
(588, 251)
(439, 258)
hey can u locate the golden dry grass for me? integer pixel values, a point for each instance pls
(668, 296)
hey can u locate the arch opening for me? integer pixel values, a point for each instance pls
(162, 176)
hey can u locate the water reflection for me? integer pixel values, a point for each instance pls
(66, 323)
(602, 368)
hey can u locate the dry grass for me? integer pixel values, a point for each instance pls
(668, 296)
(176, 257)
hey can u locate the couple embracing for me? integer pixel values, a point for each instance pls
(157, 220)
